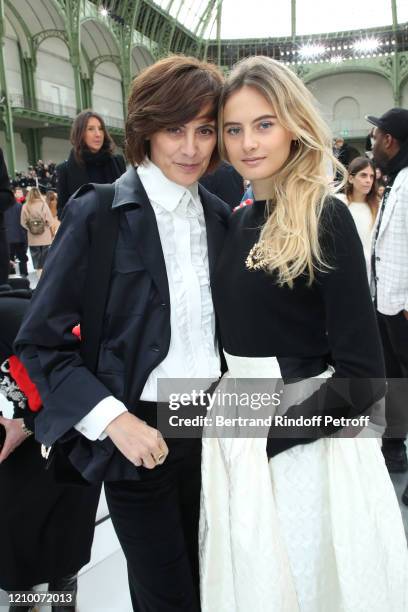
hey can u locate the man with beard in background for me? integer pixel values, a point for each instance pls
(390, 278)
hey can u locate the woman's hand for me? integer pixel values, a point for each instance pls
(14, 436)
(141, 444)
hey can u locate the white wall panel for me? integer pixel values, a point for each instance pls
(21, 151)
(346, 98)
(55, 78)
(55, 149)
(107, 91)
(12, 61)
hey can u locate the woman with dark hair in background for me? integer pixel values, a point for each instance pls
(91, 159)
(362, 199)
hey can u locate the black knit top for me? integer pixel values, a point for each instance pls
(332, 321)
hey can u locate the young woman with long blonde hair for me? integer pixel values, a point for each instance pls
(302, 518)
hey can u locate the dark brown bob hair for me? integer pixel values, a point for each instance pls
(170, 93)
(78, 132)
(355, 166)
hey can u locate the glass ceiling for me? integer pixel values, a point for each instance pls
(269, 18)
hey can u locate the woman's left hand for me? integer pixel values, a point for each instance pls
(14, 436)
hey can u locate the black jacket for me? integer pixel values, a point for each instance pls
(226, 183)
(71, 176)
(136, 331)
(6, 200)
(15, 231)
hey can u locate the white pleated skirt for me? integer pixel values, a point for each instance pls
(316, 529)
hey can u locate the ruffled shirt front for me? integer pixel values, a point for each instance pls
(180, 220)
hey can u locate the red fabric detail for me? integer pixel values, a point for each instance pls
(77, 331)
(25, 384)
(20, 376)
(246, 202)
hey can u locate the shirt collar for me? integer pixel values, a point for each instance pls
(126, 189)
(165, 192)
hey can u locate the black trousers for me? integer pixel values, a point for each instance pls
(394, 337)
(19, 250)
(156, 521)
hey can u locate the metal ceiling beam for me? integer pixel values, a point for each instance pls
(293, 19)
(394, 14)
(205, 18)
(396, 80)
(173, 25)
(219, 19)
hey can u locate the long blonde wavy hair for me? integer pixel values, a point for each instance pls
(290, 235)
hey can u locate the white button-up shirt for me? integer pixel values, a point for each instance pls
(193, 351)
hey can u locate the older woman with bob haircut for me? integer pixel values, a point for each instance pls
(305, 518)
(91, 159)
(158, 323)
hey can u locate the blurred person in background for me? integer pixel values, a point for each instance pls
(16, 234)
(362, 199)
(369, 144)
(91, 159)
(390, 278)
(380, 191)
(6, 201)
(341, 151)
(37, 219)
(51, 198)
(19, 195)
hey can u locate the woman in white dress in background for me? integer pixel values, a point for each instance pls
(308, 523)
(361, 197)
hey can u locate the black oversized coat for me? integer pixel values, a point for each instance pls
(136, 330)
(71, 176)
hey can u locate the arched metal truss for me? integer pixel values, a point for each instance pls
(134, 33)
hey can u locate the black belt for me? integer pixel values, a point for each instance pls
(299, 368)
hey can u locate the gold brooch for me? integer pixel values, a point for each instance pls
(257, 259)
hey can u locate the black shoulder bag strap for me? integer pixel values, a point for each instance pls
(104, 233)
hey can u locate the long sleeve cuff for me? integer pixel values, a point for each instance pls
(93, 425)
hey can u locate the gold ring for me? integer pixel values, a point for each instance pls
(159, 460)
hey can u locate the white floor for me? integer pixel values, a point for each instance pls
(105, 587)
